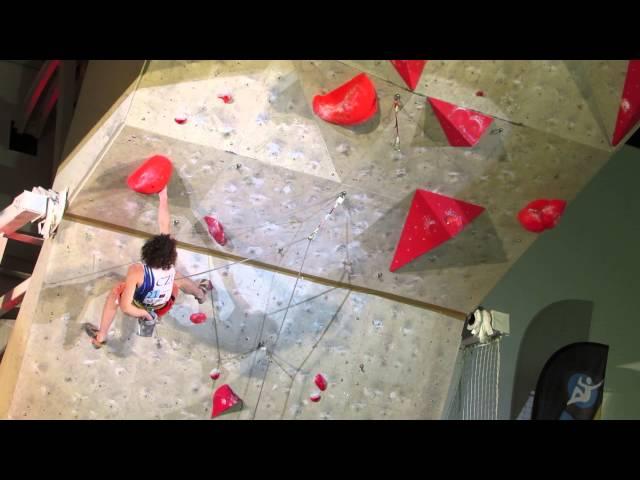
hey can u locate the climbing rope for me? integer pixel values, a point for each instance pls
(311, 350)
(310, 239)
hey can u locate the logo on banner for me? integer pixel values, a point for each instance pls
(583, 393)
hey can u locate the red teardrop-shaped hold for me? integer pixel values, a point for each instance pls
(321, 382)
(214, 374)
(315, 397)
(225, 400)
(352, 103)
(198, 318)
(215, 230)
(152, 176)
(181, 120)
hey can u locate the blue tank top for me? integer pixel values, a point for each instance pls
(156, 287)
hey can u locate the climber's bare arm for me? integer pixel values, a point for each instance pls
(164, 219)
(135, 276)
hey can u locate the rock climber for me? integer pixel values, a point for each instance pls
(150, 285)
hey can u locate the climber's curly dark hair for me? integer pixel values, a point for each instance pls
(160, 252)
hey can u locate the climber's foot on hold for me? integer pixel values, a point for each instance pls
(93, 333)
(205, 286)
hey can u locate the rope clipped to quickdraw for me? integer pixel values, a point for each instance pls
(338, 202)
(396, 109)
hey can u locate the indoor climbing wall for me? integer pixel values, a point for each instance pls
(381, 359)
(249, 150)
(377, 202)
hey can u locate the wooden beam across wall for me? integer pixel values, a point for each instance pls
(274, 268)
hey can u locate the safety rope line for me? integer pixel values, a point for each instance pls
(227, 265)
(311, 350)
(293, 291)
(264, 316)
(323, 203)
(215, 322)
(310, 238)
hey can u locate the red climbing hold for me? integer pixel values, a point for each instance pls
(216, 230)
(214, 374)
(152, 176)
(226, 98)
(629, 113)
(552, 212)
(409, 70)
(351, 103)
(198, 318)
(541, 214)
(530, 217)
(432, 220)
(180, 120)
(315, 397)
(225, 400)
(463, 127)
(321, 382)
(479, 93)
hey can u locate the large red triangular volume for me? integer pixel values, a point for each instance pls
(409, 70)
(432, 220)
(352, 103)
(463, 127)
(629, 113)
(225, 401)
